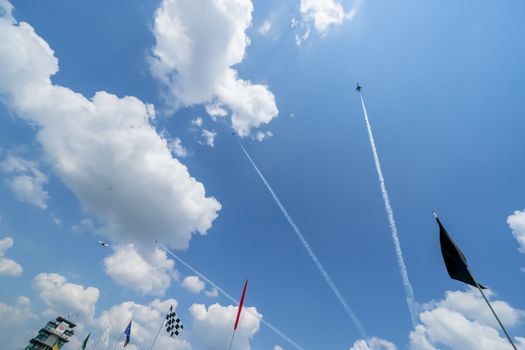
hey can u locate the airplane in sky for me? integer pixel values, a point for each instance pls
(358, 88)
(105, 245)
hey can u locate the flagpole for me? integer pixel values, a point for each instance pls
(154, 340)
(100, 338)
(231, 342)
(118, 341)
(494, 312)
(80, 348)
(98, 342)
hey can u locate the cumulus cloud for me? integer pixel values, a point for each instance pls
(197, 44)
(63, 296)
(213, 293)
(193, 284)
(260, 135)
(207, 329)
(6, 9)
(471, 304)
(419, 340)
(373, 344)
(26, 180)
(20, 312)
(209, 137)
(146, 272)
(103, 143)
(516, 222)
(146, 321)
(176, 147)
(197, 122)
(216, 110)
(323, 15)
(463, 321)
(213, 326)
(8, 267)
(265, 27)
(13, 320)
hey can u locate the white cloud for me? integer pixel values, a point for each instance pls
(176, 147)
(193, 284)
(20, 312)
(213, 326)
(373, 344)
(56, 220)
(471, 304)
(8, 267)
(197, 44)
(260, 135)
(208, 329)
(323, 14)
(102, 143)
(462, 321)
(26, 181)
(146, 321)
(13, 319)
(213, 293)
(419, 340)
(63, 296)
(146, 272)
(6, 9)
(197, 122)
(516, 222)
(300, 26)
(209, 137)
(85, 225)
(215, 110)
(265, 27)
(277, 347)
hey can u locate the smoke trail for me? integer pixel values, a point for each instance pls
(409, 292)
(229, 297)
(316, 261)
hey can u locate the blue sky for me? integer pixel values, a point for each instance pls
(443, 88)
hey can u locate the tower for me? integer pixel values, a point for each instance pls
(54, 332)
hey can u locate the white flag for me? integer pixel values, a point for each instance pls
(104, 339)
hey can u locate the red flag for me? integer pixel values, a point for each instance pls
(240, 306)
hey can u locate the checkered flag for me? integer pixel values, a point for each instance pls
(173, 324)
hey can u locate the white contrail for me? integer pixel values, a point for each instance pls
(409, 291)
(316, 261)
(229, 297)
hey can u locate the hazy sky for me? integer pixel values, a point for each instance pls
(121, 122)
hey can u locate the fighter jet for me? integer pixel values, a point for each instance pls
(358, 88)
(105, 245)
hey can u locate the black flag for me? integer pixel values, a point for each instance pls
(173, 324)
(455, 261)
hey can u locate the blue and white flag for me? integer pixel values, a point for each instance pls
(127, 333)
